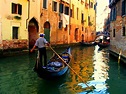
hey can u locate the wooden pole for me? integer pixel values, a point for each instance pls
(70, 67)
(119, 56)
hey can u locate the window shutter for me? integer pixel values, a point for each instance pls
(13, 8)
(61, 8)
(19, 9)
(44, 4)
(114, 14)
(82, 16)
(70, 12)
(123, 8)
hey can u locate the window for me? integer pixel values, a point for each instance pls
(123, 7)
(16, 9)
(15, 32)
(66, 10)
(113, 32)
(123, 32)
(71, 12)
(54, 6)
(113, 14)
(45, 4)
(82, 28)
(82, 16)
(89, 20)
(60, 24)
(61, 6)
(77, 12)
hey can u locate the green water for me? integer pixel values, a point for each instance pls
(92, 64)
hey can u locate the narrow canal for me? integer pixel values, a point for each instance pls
(94, 65)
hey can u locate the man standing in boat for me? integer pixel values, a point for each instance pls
(41, 44)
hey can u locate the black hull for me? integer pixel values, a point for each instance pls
(43, 73)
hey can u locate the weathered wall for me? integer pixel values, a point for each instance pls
(118, 43)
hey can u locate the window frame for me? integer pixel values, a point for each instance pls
(16, 8)
(15, 31)
(123, 31)
(45, 4)
(114, 32)
(54, 6)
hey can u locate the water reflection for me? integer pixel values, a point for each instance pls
(101, 68)
(91, 63)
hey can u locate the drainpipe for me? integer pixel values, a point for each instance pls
(1, 42)
(27, 21)
(28, 14)
(69, 22)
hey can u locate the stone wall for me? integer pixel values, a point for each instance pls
(15, 44)
(118, 43)
(11, 47)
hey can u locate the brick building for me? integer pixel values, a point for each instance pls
(118, 27)
(62, 21)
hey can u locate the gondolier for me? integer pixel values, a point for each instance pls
(40, 43)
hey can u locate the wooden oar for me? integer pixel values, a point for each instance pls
(38, 59)
(70, 68)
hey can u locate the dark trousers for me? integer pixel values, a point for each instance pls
(42, 52)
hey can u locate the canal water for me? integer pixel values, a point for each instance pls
(93, 64)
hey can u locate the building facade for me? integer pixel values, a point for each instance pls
(54, 20)
(16, 21)
(83, 20)
(62, 21)
(118, 28)
(13, 31)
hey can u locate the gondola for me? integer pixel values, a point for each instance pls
(55, 67)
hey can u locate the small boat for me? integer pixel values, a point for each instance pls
(55, 67)
(103, 44)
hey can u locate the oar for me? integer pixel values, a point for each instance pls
(37, 60)
(70, 68)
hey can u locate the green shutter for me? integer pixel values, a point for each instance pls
(19, 9)
(13, 8)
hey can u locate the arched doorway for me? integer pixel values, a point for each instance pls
(47, 31)
(33, 29)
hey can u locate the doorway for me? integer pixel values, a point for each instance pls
(47, 31)
(32, 32)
